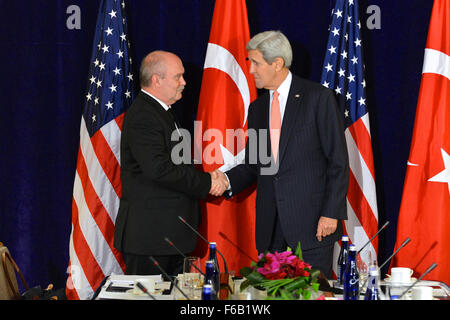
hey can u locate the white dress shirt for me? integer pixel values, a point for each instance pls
(165, 106)
(283, 91)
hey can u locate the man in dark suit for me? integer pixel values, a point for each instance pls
(156, 188)
(301, 193)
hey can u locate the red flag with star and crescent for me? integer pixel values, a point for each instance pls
(226, 92)
(425, 209)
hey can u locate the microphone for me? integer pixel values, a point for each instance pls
(401, 246)
(387, 260)
(168, 277)
(384, 226)
(144, 289)
(434, 265)
(204, 239)
(181, 253)
(236, 246)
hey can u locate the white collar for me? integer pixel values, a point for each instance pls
(284, 87)
(165, 106)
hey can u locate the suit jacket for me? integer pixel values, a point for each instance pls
(312, 176)
(155, 191)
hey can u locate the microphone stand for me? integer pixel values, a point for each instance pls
(402, 245)
(224, 276)
(168, 277)
(387, 260)
(204, 239)
(434, 265)
(144, 289)
(182, 254)
(384, 226)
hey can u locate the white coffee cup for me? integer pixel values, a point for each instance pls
(401, 275)
(422, 293)
(149, 284)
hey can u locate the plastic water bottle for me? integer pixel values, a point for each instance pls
(342, 260)
(216, 275)
(373, 291)
(209, 276)
(351, 276)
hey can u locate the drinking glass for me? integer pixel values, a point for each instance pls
(192, 277)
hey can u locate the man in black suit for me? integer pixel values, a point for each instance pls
(156, 188)
(301, 192)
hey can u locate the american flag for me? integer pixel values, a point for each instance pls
(343, 72)
(97, 187)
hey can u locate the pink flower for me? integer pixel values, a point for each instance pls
(271, 266)
(283, 265)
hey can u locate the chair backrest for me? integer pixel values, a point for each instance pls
(8, 281)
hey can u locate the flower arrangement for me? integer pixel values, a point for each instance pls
(284, 275)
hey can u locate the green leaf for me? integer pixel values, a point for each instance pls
(298, 251)
(306, 294)
(315, 286)
(298, 283)
(272, 286)
(246, 271)
(286, 295)
(244, 285)
(314, 274)
(255, 277)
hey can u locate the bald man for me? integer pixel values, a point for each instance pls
(155, 190)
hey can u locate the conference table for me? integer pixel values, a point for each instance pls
(122, 287)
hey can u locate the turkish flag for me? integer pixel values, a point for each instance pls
(425, 209)
(226, 92)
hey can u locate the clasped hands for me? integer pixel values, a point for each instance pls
(219, 183)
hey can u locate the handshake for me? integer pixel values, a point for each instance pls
(219, 183)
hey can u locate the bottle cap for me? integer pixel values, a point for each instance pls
(374, 272)
(352, 247)
(344, 238)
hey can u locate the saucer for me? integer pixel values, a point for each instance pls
(389, 280)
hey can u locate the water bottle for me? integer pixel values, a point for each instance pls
(351, 276)
(209, 276)
(216, 275)
(342, 260)
(207, 292)
(373, 290)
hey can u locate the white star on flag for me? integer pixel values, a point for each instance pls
(109, 31)
(444, 175)
(343, 73)
(108, 96)
(229, 160)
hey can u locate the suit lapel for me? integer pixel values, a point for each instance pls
(290, 115)
(264, 117)
(170, 121)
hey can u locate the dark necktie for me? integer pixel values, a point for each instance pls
(173, 117)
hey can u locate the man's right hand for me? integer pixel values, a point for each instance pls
(219, 183)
